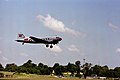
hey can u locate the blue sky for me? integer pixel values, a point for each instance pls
(90, 30)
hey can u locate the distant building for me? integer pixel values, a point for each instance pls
(6, 74)
(93, 76)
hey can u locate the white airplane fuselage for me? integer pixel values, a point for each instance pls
(35, 40)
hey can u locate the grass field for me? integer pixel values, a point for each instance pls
(38, 77)
(23, 76)
(43, 78)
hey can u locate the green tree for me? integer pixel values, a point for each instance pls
(100, 70)
(111, 73)
(46, 70)
(11, 67)
(55, 65)
(29, 67)
(64, 68)
(96, 69)
(58, 70)
(71, 68)
(117, 72)
(29, 64)
(40, 65)
(50, 69)
(1, 67)
(86, 69)
(77, 63)
(103, 71)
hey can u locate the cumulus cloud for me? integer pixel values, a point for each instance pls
(73, 48)
(112, 26)
(118, 50)
(56, 25)
(55, 49)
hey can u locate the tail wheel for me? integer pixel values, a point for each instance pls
(23, 43)
(51, 46)
(47, 45)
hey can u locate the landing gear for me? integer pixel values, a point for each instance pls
(51, 46)
(23, 43)
(47, 45)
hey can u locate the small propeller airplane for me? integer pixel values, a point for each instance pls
(48, 41)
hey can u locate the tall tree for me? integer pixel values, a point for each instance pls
(28, 64)
(11, 67)
(40, 65)
(71, 68)
(103, 71)
(1, 67)
(96, 69)
(86, 69)
(77, 63)
(117, 72)
(55, 65)
(58, 70)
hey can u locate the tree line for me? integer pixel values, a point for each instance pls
(74, 68)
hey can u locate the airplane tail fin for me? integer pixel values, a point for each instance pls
(21, 36)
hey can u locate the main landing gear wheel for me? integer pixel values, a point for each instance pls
(47, 45)
(51, 46)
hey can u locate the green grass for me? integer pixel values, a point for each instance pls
(23, 76)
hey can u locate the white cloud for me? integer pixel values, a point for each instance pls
(73, 48)
(112, 26)
(55, 49)
(118, 50)
(52, 23)
(24, 54)
(56, 25)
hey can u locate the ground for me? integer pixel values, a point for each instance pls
(23, 76)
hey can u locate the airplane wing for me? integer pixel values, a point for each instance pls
(38, 40)
(34, 38)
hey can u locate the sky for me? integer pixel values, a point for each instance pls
(89, 28)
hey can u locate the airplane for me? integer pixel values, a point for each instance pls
(48, 41)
